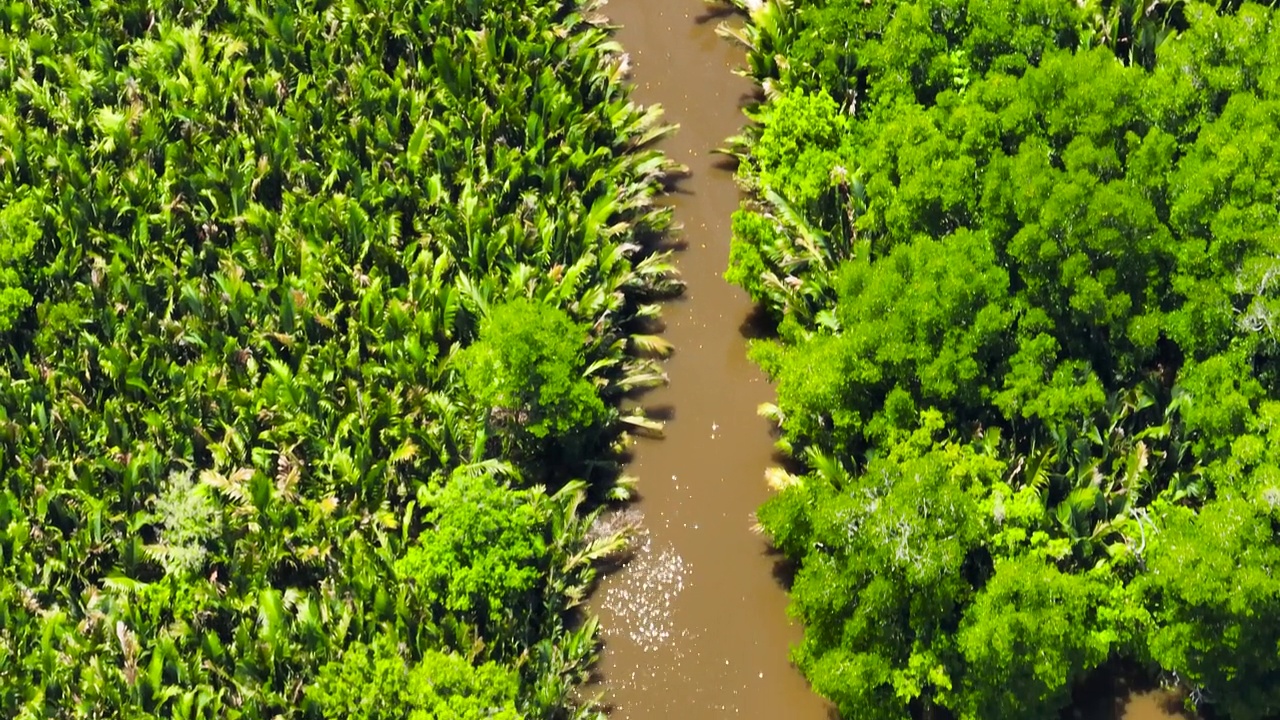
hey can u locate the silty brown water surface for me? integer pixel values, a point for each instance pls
(695, 625)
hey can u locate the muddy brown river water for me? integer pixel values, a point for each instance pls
(695, 624)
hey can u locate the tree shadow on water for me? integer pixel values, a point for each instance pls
(655, 242)
(674, 183)
(725, 163)
(717, 12)
(666, 412)
(784, 568)
(758, 324)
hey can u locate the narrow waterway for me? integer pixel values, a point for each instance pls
(696, 625)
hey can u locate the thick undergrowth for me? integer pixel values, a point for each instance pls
(1023, 259)
(313, 319)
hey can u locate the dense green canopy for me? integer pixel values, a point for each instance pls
(313, 319)
(1023, 258)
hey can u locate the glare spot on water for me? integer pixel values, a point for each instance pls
(641, 603)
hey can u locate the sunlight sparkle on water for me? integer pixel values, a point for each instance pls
(642, 603)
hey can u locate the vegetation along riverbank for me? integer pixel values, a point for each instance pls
(1023, 260)
(313, 320)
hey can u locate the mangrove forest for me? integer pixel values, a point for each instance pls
(1023, 257)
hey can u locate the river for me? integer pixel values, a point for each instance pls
(695, 624)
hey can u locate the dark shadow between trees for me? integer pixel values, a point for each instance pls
(1106, 693)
